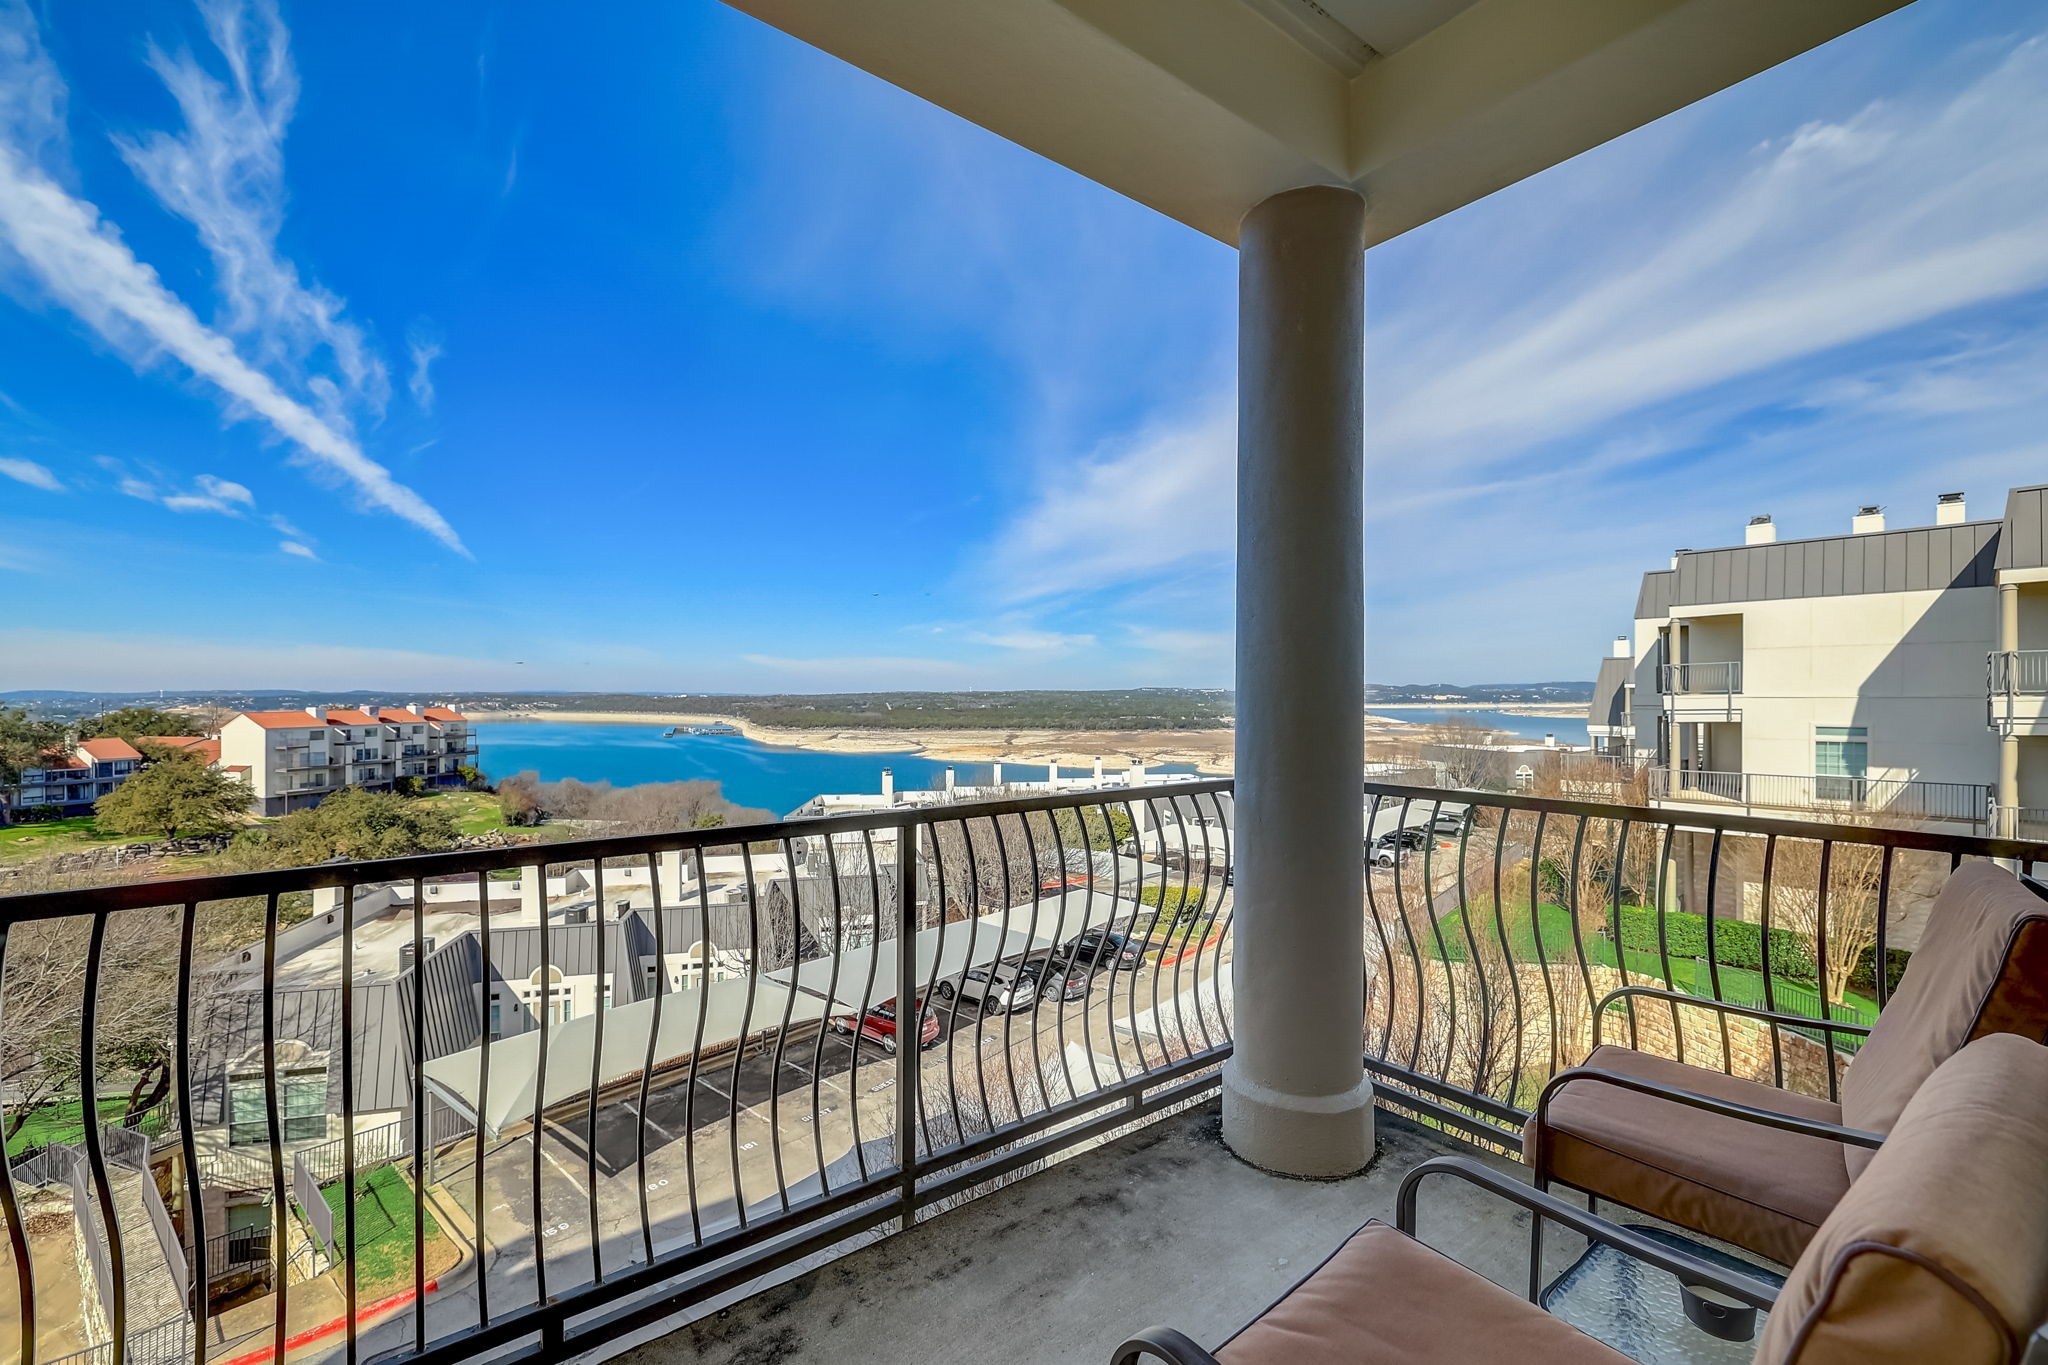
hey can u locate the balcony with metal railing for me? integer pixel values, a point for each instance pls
(642, 1155)
(1708, 680)
(1890, 799)
(2016, 691)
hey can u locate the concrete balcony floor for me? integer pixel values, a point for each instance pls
(1162, 1225)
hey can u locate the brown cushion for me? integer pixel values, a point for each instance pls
(1754, 1186)
(1387, 1299)
(1940, 1250)
(1953, 980)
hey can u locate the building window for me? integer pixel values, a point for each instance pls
(1841, 762)
(302, 1108)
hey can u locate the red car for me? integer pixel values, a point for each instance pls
(878, 1025)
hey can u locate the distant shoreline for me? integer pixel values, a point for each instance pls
(1525, 708)
(1209, 751)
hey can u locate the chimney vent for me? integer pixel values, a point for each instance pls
(1950, 510)
(888, 787)
(317, 712)
(1868, 519)
(1761, 531)
(1621, 649)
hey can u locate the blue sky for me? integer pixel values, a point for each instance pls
(461, 347)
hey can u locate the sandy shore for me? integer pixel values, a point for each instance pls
(1530, 708)
(1211, 751)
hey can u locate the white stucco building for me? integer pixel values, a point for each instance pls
(1895, 672)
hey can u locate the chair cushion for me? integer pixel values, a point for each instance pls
(1939, 1252)
(1754, 1186)
(1959, 976)
(1387, 1299)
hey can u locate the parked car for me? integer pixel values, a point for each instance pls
(1006, 986)
(878, 1025)
(1059, 976)
(1451, 823)
(1395, 845)
(1094, 949)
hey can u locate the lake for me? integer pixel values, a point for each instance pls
(1569, 729)
(750, 773)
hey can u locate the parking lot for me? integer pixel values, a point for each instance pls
(744, 1133)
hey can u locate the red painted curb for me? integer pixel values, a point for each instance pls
(327, 1329)
(1208, 942)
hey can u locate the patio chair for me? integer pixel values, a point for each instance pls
(1938, 1253)
(1761, 1167)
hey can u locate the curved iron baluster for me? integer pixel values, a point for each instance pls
(1502, 831)
(1443, 951)
(739, 1047)
(486, 1039)
(596, 1075)
(195, 1202)
(10, 1207)
(647, 1061)
(1578, 936)
(1764, 952)
(796, 935)
(1713, 954)
(1483, 1064)
(831, 996)
(1536, 935)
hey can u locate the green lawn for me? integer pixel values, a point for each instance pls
(63, 1122)
(1738, 984)
(384, 1230)
(472, 812)
(19, 843)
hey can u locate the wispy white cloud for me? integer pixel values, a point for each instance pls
(223, 172)
(30, 473)
(60, 242)
(1133, 509)
(425, 349)
(208, 493)
(298, 549)
(1029, 640)
(1839, 231)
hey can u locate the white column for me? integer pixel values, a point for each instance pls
(1295, 1097)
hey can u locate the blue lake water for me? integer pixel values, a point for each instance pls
(750, 773)
(1568, 729)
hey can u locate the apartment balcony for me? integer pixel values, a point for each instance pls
(1883, 798)
(742, 1137)
(2028, 823)
(2016, 691)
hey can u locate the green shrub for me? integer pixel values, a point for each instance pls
(1176, 903)
(1737, 943)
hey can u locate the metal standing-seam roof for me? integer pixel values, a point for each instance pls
(2023, 543)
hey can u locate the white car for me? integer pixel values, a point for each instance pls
(999, 986)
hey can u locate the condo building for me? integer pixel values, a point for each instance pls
(294, 759)
(1894, 674)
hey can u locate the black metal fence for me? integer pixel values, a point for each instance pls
(1491, 951)
(679, 1060)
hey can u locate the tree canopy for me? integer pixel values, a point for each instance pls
(353, 824)
(178, 794)
(23, 742)
(131, 721)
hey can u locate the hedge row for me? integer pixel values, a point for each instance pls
(1739, 943)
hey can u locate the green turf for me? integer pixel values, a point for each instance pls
(1738, 984)
(384, 1229)
(63, 1123)
(18, 843)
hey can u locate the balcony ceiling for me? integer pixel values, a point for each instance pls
(1201, 108)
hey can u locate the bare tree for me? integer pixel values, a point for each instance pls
(1462, 751)
(1848, 912)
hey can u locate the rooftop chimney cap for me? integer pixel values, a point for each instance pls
(1870, 510)
(1764, 520)
(1949, 497)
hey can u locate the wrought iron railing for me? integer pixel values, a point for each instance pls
(1896, 798)
(636, 1149)
(1491, 952)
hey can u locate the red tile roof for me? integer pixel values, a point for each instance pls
(351, 718)
(206, 749)
(442, 713)
(50, 763)
(283, 720)
(405, 717)
(109, 749)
